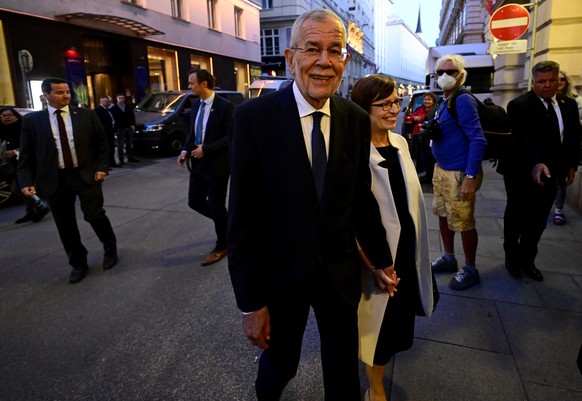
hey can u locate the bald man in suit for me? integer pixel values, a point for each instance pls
(64, 155)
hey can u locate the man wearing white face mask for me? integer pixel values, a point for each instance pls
(458, 174)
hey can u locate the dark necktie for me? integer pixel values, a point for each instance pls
(318, 154)
(552, 119)
(65, 148)
(199, 122)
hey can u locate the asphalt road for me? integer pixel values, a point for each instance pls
(158, 326)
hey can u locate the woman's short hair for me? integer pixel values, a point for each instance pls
(370, 88)
(12, 110)
(431, 95)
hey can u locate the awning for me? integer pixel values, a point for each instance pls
(134, 26)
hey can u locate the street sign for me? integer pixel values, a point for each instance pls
(508, 47)
(509, 22)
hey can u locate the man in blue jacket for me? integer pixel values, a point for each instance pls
(458, 174)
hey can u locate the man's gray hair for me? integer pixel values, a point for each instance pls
(319, 14)
(545, 66)
(458, 62)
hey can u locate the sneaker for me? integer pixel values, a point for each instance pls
(442, 265)
(559, 219)
(465, 278)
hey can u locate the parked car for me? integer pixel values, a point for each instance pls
(267, 84)
(163, 119)
(414, 103)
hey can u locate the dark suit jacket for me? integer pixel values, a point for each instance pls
(276, 226)
(123, 118)
(533, 140)
(105, 116)
(38, 160)
(215, 145)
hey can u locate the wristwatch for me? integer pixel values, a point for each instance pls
(469, 176)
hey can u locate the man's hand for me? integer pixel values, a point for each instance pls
(257, 327)
(538, 172)
(182, 158)
(386, 279)
(571, 175)
(9, 154)
(29, 191)
(468, 189)
(197, 153)
(100, 176)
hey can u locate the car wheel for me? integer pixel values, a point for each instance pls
(5, 192)
(175, 144)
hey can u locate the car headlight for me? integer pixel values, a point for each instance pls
(153, 128)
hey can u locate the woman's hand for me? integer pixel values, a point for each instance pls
(386, 279)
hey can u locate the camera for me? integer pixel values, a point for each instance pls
(431, 130)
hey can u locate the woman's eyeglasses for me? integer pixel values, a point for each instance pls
(7, 115)
(388, 105)
(448, 72)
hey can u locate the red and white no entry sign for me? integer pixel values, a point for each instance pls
(509, 22)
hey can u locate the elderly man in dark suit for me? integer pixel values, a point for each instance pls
(207, 148)
(104, 113)
(547, 136)
(64, 155)
(299, 196)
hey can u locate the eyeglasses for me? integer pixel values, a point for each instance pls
(334, 53)
(388, 105)
(6, 115)
(448, 72)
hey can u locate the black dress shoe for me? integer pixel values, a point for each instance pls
(133, 160)
(113, 165)
(78, 274)
(27, 217)
(512, 267)
(109, 260)
(40, 213)
(533, 273)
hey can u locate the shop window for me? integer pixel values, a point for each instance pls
(269, 42)
(163, 67)
(6, 89)
(238, 22)
(241, 71)
(203, 62)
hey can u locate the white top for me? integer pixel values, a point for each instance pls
(66, 114)
(305, 111)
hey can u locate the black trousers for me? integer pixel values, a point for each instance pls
(526, 216)
(62, 204)
(338, 332)
(207, 196)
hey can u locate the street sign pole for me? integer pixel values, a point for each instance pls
(533, 40)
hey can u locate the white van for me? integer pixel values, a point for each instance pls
(267, 84)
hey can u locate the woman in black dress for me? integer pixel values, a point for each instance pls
(386, 315)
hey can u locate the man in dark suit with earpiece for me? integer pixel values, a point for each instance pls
(207, 149)
(64, 155)
(546, 131)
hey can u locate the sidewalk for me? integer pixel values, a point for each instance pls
(161, 327)
(506, 338)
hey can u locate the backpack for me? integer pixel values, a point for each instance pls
(494, 122)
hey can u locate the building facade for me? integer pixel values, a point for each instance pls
(124, 46)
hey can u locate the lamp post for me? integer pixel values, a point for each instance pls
(25, 61)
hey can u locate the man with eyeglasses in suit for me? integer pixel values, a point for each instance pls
(299, 195)
(458, 173)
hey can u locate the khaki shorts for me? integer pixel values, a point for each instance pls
(447, 199)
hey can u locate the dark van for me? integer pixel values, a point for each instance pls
(163, 119)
